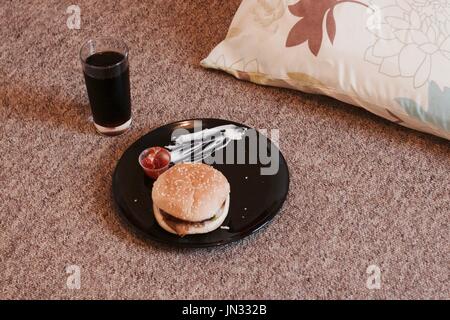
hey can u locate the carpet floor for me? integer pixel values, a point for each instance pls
(363, 191)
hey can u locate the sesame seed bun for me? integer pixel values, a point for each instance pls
(193, 192)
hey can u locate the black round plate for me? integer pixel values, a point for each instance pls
(255, 198)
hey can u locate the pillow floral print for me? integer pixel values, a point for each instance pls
(391, 57)
(313, 13)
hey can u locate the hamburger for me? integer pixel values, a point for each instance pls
(191, 198)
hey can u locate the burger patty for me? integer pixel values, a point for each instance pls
(181, 226)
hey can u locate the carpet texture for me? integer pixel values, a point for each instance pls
(363, 190)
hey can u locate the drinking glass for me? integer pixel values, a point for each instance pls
(107, 76)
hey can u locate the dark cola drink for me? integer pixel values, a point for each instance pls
(107, 76)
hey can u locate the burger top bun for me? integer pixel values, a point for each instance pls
(191, 191)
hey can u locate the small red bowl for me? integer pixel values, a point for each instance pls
(154, 161)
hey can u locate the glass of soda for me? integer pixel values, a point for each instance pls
(107, 76)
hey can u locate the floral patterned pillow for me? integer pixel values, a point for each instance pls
(391, 57)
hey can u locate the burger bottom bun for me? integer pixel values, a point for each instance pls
(196, 228)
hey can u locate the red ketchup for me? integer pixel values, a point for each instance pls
(154, 161)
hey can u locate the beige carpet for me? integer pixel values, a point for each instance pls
(363, 190)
